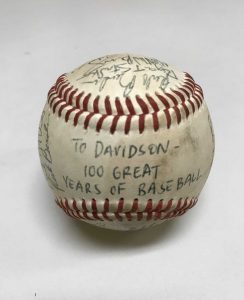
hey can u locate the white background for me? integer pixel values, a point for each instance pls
(46, 255)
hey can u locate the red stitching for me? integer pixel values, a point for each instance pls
(127, 124)
(175, 107)
(141, 124)
(87, 120)
(95, 105)
(114, 124)
(76, 118)
(130, 106)
(100, 123)
(183, 100)
(85, 101)
(142, 105)
(119, 107)
(62, 88)
(168, 118)
(153, 103)
(155, 121)
(89, 210)
(108, 106)
(68, 113)
(56, 104)
(77, 100)
(61, 108)
(71, 96)
(163, 100)
(84, 109)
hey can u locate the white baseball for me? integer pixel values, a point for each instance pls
(126, 142)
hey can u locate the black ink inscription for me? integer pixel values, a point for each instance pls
(79, 144)
(93, 171)
(81, 187)
(135, 172)
(118, 189)
(211, 128)
(213, 138)
(145, 182)
(188, 180)
(45, 153)
(43, 138)
(155, 189)
(130, 151)
(162, 81)
(124, 70)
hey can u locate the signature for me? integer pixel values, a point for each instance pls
(43, 139)
(44, 149)
(125, 72)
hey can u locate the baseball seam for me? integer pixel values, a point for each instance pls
(162, 210)
(155, 111)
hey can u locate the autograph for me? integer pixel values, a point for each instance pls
(124, 70)
(44, 149)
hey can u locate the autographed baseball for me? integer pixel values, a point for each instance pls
(126, 142)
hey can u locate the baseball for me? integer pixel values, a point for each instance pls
(126, 142)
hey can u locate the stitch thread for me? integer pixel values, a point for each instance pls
(107, 211)
(155, 111)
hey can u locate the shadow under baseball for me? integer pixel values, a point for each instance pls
(125, 239)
